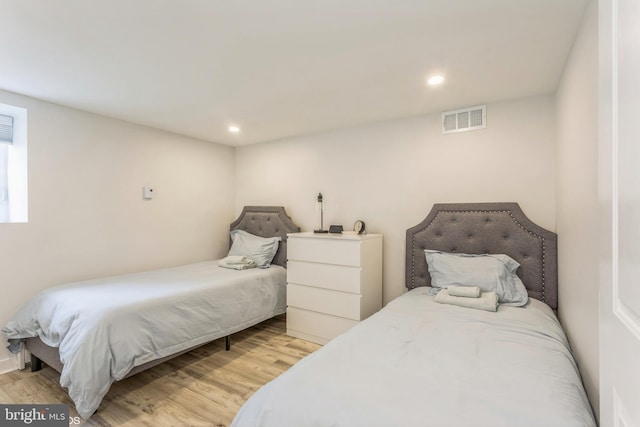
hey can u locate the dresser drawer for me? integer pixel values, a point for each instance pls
(324, 301)
(327, 251)
(316, 327)
(327, 276)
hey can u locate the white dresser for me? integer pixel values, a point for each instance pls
(333, 282)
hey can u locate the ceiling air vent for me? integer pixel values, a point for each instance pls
(464, 119)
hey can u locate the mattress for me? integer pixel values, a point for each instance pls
(420, 363)
(105, 327)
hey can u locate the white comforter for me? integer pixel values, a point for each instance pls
(105, 327)
(420, 363)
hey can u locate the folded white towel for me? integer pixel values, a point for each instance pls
(237, 262)
(238, 259)
(464, 291)
(488, 301)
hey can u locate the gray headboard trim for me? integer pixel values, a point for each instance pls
(480, 228)
(267, 221)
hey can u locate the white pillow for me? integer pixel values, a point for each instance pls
(490, 272)
(260, 249)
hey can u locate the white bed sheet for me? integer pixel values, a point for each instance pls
(420, 363)
(105, 327)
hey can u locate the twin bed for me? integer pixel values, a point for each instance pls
(414, 363)
(420, 363)
(100, 331)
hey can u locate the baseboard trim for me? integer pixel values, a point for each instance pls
(9, 364)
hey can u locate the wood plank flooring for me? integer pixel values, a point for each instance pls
(204, 387)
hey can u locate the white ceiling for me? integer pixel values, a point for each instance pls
(280, 68)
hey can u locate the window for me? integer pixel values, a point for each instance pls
(13, 164)
(4, 183)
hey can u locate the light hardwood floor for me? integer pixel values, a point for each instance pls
(204, 387)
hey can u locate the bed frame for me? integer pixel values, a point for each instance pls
(486, 228)
(264, 221)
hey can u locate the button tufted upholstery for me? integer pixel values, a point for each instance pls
(267, 221)
(486, 228)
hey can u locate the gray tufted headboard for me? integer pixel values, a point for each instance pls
(478, 228)
(267, 221)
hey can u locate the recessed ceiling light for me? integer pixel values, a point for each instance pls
(435, 80)
(234, 129)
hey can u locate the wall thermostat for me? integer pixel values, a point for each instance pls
(147, 193)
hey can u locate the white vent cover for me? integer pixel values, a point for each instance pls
(464, 119)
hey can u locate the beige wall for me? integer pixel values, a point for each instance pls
(86, 213)
(577, 201)
(390, 174)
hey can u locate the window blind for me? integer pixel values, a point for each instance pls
(6, 128)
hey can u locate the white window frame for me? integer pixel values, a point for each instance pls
(14, 189)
